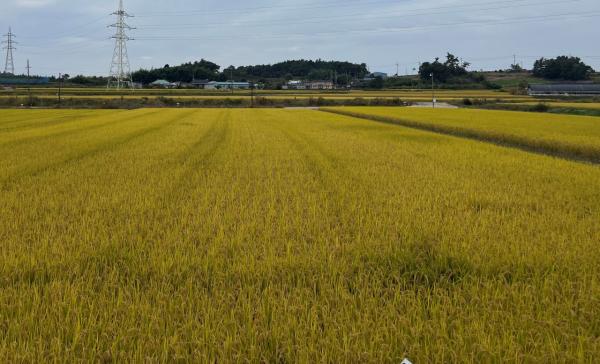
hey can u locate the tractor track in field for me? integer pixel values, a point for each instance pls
(9, 181)
(26, 123)
(74, 131)
(199, 153)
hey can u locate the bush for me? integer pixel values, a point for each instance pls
(491, 85)
(540, 107)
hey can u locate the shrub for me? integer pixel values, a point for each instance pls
(540, 107)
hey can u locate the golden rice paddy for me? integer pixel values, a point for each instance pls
(566, 135)
(290, 236)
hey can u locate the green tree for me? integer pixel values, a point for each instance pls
(452, 67)
(515, 68)
(377, 83)
(562, 68)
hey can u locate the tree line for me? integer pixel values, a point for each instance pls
(451, 71)
(302, 69)
(562, 68)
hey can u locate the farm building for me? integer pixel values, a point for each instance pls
(163, 84)
(320, 85)
(214, 85)
(309, 85)
(574, 89)
(200, 83)
(294, 85)
(379, 74)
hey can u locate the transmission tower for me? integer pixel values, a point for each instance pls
(9, 66)
(120, 71)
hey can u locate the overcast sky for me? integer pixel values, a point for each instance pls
(71, 36)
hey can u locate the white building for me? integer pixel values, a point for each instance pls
(294, 85)
(320, 85)
(215, 85)
(308, 85)
(164, 84)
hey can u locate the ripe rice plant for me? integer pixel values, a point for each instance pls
(568, 136)
(288, 236)
(567, 105)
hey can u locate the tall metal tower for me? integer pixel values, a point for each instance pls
(9, 66)
(120, 71)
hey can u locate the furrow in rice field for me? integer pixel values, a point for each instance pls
(12, 120)
(76, 125)
(14, 169)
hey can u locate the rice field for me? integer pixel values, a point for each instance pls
(201, 92)
(197, 94)
(244, 235)
(565, 135)
(568, 105)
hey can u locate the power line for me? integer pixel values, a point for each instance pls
(94, 44)
(120, 70)
(360, 16)
(314, 19)
(9, 66)
(478, 23)
(69, 31)
(204, 37)
(345, 5)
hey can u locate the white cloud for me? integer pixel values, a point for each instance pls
(34, 3)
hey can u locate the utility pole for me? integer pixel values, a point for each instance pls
(336, 80)
(433, 100)
(120, 70)
(397, 69)
(9, 65)
(59, 89)
(231, 77)
(252, 94)
(28, 88)
(331, 76)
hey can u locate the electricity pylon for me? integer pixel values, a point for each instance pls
(9, 66)
(120, 70)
